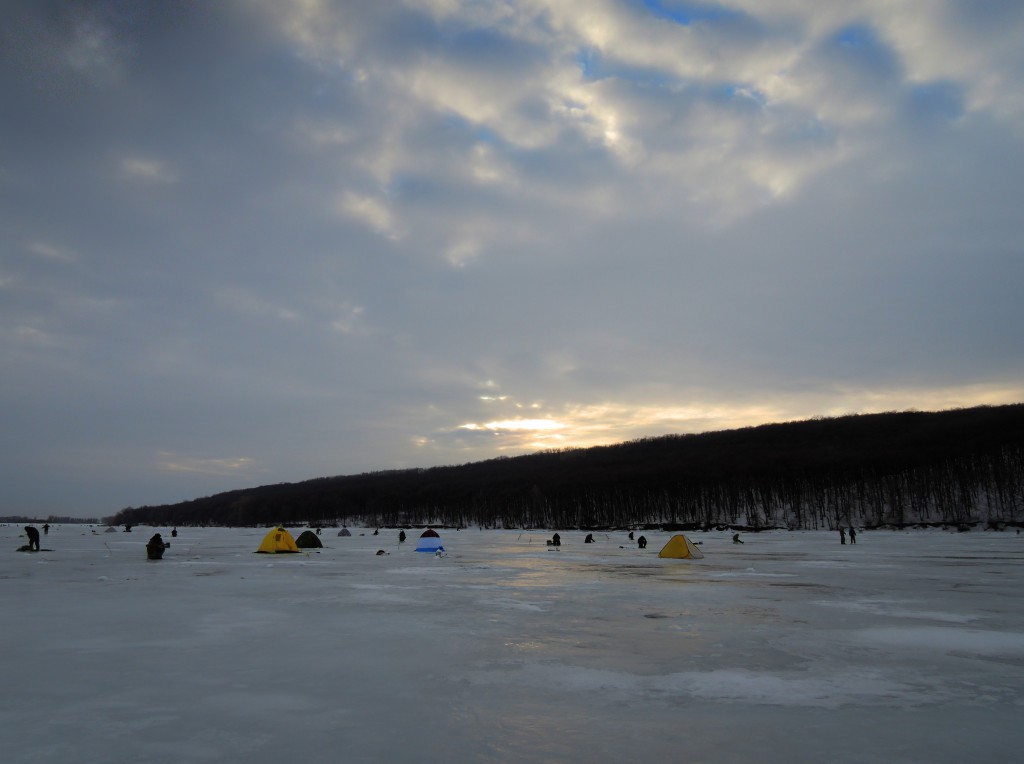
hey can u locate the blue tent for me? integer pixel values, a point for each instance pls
(429, 542)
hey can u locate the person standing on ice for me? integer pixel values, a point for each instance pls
(842, 535)
(33, 538)
(853, 535)
(401, 536)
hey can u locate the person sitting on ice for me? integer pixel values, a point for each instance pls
(155, 547)
(736, 538)
(589, 539)
(642, 542)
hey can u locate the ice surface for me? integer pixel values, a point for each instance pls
(906, 647)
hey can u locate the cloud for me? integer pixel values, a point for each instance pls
(240, 467)
(334, 233)
(370, 211)
(147, 169)
(51, 252)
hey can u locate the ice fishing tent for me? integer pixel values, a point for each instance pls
(680, 547)
(308, 540)
(344, 532)
(277, 541)
(429, 542)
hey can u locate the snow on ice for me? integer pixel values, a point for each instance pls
(906, 647)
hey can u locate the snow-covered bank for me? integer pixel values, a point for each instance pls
(905, 647)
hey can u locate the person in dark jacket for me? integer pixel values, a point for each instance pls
(853, 535)
(401, 536)
(642, 542)
(556, 540)
(589, 539)
(33, 538)
(736, 539)
(155, 547)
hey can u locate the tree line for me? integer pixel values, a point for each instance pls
(958, 467)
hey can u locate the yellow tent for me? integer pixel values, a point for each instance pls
(277, 541)
(680, 547)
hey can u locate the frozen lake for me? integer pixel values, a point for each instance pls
(906, 647)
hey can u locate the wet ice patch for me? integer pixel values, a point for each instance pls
(511, 604)
(820, 691)
(895, 609)
(723, 685)
(949, 639)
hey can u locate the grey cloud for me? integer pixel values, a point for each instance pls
(312, 239)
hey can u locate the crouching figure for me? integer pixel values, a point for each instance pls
(155, 547)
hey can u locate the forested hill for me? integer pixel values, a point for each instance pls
(958, 467)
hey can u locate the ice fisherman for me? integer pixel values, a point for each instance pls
(33, 538)
(174, 532)
(589, 539)
(631, 535)
(642, 542)
(842, 535)
(46, 529)
(736, 539)
(155, 547)
(556, 540)
(401, 536)
(853, 535)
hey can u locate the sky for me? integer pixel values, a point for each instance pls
(256, 242)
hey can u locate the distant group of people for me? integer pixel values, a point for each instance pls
(156, 546)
